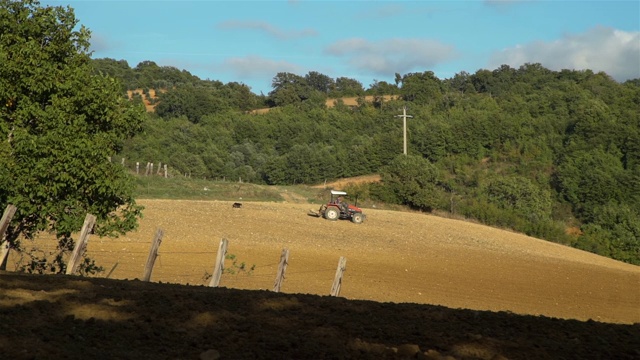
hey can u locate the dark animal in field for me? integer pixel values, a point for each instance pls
(237, 205)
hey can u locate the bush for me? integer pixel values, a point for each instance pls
(413, 181)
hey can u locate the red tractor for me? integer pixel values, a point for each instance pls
(337, 208)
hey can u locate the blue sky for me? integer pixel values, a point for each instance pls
(251, 41)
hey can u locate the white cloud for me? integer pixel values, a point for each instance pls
(615, 52)
(387, 57)
(267, 28)
(254, 67)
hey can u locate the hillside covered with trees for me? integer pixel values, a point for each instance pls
(531, 149)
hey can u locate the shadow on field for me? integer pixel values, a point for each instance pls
(62, 317)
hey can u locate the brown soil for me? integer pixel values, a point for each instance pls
(146, 99)
(416, 286)
(353, 101)
(348, 101)
(342, 183)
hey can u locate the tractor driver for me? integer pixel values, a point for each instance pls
(340, 202)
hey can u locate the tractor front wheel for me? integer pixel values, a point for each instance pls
(357, 218)
(331, 214)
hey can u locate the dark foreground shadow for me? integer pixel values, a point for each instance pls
(62, 317)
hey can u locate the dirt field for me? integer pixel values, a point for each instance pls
(515, 291)
(342, 183)
(348, 101)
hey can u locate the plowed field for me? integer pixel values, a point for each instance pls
(393, 257)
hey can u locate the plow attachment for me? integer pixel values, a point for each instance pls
(318, 213)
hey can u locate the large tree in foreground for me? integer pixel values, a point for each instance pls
(58, 126)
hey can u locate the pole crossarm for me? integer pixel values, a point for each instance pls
(404, 117)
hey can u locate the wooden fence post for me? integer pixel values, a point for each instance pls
(112, 269)
(282, 268)
(159, 168)
(81, 244)
(219, 267)
(153, 254)
(151, 169)
(9, 211)
(165, 171)
(337, 281)
(137, 168)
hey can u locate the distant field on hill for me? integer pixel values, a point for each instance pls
(348, 101)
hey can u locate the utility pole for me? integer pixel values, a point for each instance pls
(404, 117)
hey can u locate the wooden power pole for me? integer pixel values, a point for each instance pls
(404, 117)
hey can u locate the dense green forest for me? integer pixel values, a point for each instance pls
(531, 149)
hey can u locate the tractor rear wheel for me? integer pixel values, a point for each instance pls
(331, 214)
(357, 218)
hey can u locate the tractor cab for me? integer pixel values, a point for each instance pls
(337, 197)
